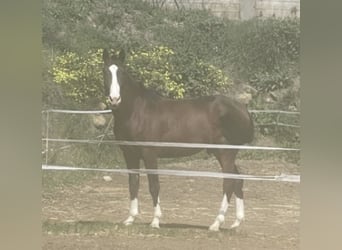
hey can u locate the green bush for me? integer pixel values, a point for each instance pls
(80, 76)
(155, 69)
(204, 79)
(162, 69)
(266, 53)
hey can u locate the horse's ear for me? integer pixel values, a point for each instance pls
(105, 56)
(122, 56)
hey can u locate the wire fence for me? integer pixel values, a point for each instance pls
(184, 173)
(282, 177)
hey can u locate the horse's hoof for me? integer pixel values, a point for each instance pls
(215, 227)
(236, 224)
(155, 223)
(129, 221)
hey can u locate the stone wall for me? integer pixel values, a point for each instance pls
(238, 9)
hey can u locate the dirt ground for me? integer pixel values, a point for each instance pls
(89, 213)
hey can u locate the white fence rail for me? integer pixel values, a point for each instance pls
(171, 144)
(282, 177)
(108, 111)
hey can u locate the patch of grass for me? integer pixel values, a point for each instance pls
(55, 180)
(77, 227)
(105, 228)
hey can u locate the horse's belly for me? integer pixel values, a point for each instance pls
(177, 152)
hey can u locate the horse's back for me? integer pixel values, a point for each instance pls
(203, 120)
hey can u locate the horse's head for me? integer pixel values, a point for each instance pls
(112, 77)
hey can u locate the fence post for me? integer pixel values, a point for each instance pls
(47, 136)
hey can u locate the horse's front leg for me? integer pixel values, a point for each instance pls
(133, 179)
(150, 161)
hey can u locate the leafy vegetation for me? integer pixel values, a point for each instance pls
(267, 53)
(80, 75)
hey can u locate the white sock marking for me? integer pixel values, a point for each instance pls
(240, 212)
(220, 217)
(240, 209)
(134, 207)
(133, 211)
(156, 216)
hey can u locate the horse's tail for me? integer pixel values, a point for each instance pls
(237, 123)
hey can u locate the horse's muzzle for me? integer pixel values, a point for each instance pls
(114, 101)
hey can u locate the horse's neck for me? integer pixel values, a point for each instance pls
(132, 95)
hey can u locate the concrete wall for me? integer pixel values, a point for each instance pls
(278, 8)
(238, 9)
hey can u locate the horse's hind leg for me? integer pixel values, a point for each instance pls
(154, 187)
(227, 162)
(133, 179)
(240, 209)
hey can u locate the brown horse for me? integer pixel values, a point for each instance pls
(142, 115)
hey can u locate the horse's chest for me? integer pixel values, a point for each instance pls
(128, 129)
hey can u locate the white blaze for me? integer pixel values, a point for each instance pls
(114, 86)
